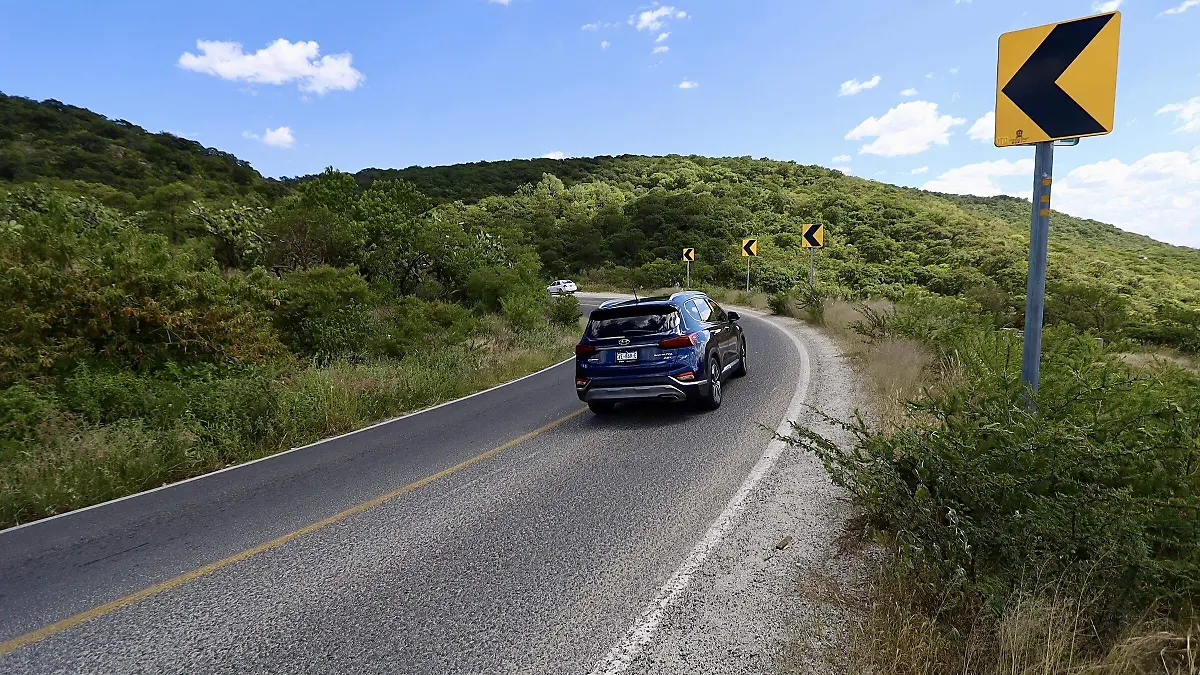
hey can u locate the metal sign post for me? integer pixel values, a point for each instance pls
(1039, 240)
(749, 250)
(689, 274)
(1056, 82)
(813, 239)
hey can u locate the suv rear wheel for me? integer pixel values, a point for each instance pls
(712, 400)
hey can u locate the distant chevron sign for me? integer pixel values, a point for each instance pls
(814, 236)
(1057, 81)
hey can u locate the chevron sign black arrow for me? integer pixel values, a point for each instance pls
(1034, 88)
(814, 236)
(749, 248)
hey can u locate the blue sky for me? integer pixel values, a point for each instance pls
(437, 82)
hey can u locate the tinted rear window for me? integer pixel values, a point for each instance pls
(631, 321)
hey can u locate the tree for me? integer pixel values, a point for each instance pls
(171, 200)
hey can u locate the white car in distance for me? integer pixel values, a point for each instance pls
(562, 286)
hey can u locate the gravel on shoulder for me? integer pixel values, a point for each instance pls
(776, 595)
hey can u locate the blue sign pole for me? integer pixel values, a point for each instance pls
(1039, 241)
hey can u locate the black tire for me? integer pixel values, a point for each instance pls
(711, 400)
(602, 407)
(740, 370)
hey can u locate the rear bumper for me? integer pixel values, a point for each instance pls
(640, 389)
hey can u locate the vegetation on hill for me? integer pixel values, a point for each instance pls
(624, 220)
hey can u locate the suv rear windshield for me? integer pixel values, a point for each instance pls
(631, 321)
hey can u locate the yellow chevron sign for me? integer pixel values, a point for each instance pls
(1057, 81)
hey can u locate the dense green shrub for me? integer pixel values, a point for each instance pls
(21, 411)
(782, 304)
(83, 284)
(525, 310)
(325, 311)
(487, 285)
(564, 310)
(1100, 485)
(412, 324)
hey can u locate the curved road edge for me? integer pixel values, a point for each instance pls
(733, 605)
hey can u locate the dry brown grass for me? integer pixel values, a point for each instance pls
(1160, 356)
(898, 369)
(1039, 632)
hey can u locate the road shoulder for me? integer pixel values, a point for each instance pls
(773, 596)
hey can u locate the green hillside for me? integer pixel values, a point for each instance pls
(53, 141)
(624, 220)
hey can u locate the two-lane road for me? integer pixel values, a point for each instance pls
(507, 532)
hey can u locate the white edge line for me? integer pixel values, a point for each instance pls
(620, 657)
(281, 454)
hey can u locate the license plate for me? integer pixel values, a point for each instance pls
(625, 357)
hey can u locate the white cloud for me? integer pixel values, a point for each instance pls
(278, 63)
(977, 179)
(929, 76)
(842, 159)
(661, 49)
(655, 19)
(557, 154)
(954, 70)
(984, 128)
(919, 170)
(852, 87)
(604, 45)
(276, 138)
(501, 2)
(1182, 7)
(844, 169)
(1106, 5)
(1157, 195)
(689, 84)
(907, 129)
(1187, 114)
(663, 36)
(279, 138)
(908, 92)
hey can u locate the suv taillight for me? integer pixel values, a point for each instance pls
(678, 342)
(584, 350)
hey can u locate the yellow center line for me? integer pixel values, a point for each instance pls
(109, 607)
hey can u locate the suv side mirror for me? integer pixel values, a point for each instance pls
(733, 316)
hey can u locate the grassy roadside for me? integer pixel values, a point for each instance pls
(187, 428)
(1059, 543)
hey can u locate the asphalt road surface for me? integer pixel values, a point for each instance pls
(510, 532)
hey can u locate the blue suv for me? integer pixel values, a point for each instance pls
(677, 348)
